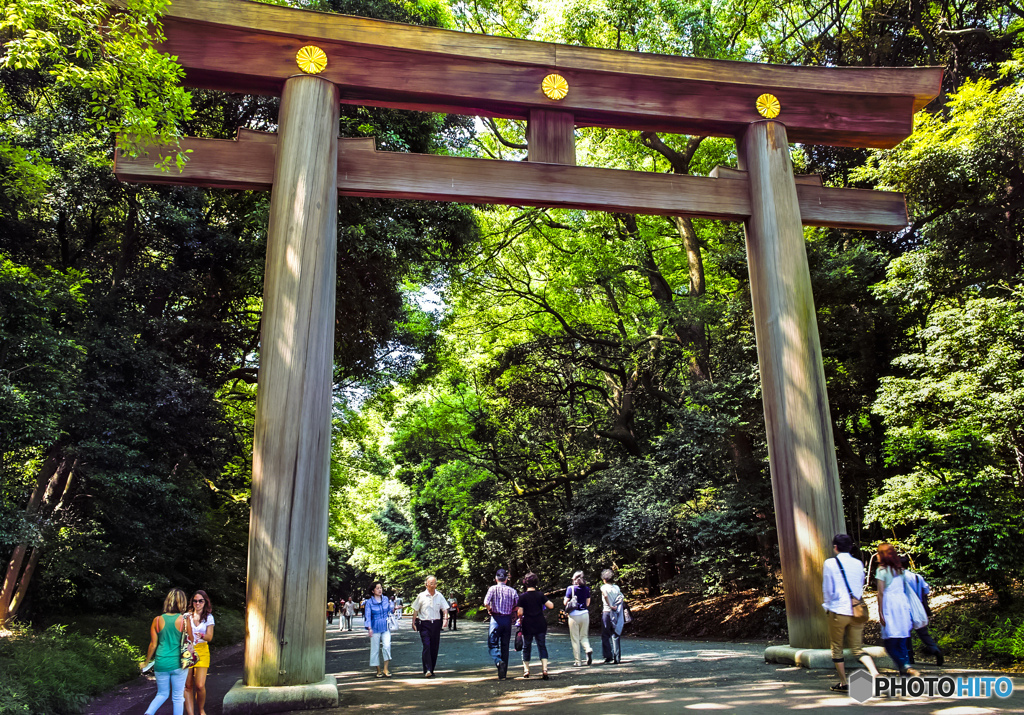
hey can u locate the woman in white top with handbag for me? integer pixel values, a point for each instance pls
(200, 615)
(894, 608)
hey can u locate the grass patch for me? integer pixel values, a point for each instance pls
(976, 627)
(57, 671)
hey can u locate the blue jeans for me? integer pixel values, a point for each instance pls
(498, 636)
(542, 647)
(169, 682)
(898, 650)
(611, 648)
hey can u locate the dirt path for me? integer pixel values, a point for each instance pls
(656, 675)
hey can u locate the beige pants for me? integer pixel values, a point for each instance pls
(579, 629)
(839, 627)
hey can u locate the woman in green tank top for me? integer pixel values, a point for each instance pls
(165, 652)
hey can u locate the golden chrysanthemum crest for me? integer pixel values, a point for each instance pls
(311, 59)
(554, 87)
(768, 106)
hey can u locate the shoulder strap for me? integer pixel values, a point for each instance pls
(843, 572)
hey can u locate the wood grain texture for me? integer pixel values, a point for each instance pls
(287, 576)
(801, 453)
(248, 164)
(838, 208)
(250, 47)
(550, 137)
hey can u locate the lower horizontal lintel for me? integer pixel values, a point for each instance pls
(248, 163)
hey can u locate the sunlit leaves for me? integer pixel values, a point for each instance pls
(134, 90)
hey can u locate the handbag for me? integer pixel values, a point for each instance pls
(918, 617)
(393, 619)
(187, 647)
(519, 638)
(627, 615)
(573, 604)
(860, 609)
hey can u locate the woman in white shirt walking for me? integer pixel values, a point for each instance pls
(200, 615)
(894, 608)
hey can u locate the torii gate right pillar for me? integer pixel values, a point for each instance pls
(801, 452)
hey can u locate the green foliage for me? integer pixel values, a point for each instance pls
(953, 424)
(982, 631)
(58, 671)
(1002, 643)
(958, 171)
(108, 54)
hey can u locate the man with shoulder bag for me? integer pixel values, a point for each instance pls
(843, 590)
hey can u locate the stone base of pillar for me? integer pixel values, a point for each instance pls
(245, 700)
(822, 657)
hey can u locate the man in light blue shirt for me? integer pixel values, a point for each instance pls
(922, 590)
(842, 586)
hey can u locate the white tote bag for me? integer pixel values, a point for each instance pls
(917, 614)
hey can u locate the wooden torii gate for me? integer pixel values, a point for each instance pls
(316, 61)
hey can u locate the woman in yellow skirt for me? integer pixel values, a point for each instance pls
(200, 613)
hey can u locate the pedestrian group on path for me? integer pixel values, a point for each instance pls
(179, 650)
(509, 611)
(902, 608)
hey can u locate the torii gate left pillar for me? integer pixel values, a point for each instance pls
(287, 578)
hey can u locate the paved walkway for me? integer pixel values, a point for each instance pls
(658, 676)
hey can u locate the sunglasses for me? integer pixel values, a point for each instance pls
(198, 600)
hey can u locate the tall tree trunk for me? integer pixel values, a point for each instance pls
(52, 486)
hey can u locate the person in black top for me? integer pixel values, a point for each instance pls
(535, 627)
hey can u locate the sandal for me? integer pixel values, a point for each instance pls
(840, 688)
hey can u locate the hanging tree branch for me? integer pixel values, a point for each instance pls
(493, 126)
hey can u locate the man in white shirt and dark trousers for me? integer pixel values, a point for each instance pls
(429, 616)
(843, 589)
(922, 590)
